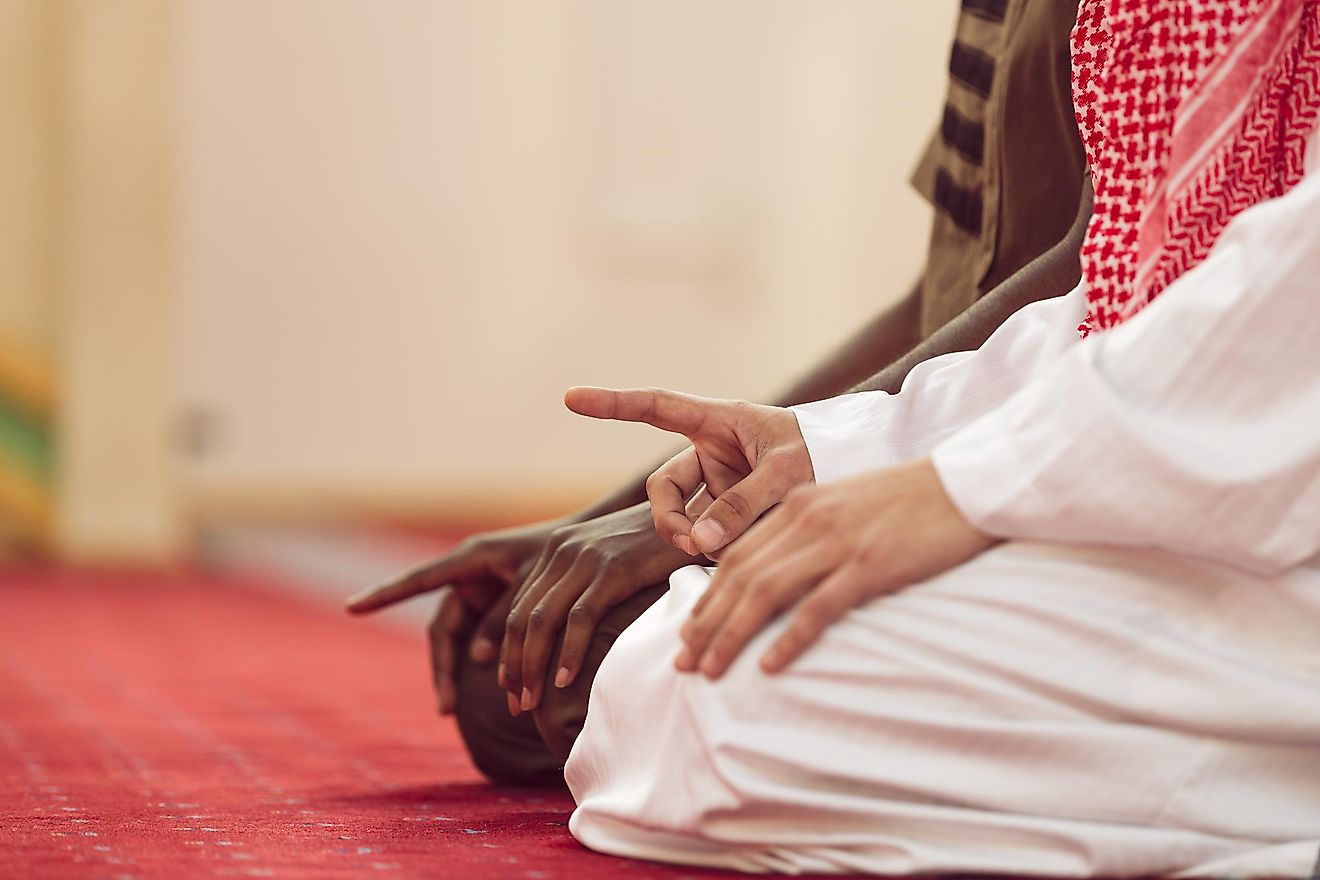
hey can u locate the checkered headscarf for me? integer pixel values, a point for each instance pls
(1190, 112)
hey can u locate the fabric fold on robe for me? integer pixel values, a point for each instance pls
(1128, 686)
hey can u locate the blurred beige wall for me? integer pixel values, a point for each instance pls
(333, 257)
(404, 227)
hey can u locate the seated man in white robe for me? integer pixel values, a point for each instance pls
(1054, 607)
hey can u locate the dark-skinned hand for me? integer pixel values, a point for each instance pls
(480, 578)
(584, 570)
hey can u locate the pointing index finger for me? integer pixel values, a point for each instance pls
(431, 576)
(667, 410)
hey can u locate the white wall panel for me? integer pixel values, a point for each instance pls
(406, 226)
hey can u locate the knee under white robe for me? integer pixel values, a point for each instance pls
(1129, 685)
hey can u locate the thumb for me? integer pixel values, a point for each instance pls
(738, 507)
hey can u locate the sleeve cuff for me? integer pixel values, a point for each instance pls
(842, 434)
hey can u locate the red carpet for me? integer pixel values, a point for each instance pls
(168, 727)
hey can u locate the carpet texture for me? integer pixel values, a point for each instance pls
(189, 726)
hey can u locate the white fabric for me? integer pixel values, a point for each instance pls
(1051, 707)
(1043, 710)
(855, 433)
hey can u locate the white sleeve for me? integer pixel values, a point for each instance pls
(1193, 427)
(854, 433)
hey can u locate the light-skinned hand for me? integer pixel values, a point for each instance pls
(825, 550)
(747, 455)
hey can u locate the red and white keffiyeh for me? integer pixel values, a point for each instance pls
(1190, 112)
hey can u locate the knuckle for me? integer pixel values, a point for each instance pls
(784, 467)
(738, 504)
(723, 588)
(736, 585)
(534, 572)
(816, 514)
(849, 596)
(566, 552)
(769, 584)
(515, 623)
(582, 615)
(796, 499)
(871, 555)
(697, 630)
(653, 394)
(811, 617)
(727, 641)
(732, 558)
(538, 621)
(774, 463)
(712, 618)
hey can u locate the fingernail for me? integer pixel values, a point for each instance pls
(526, 700)
(686, 661)
(708, 534)
(514, 708)
(562, 677)
(500, 679)
(482, 651)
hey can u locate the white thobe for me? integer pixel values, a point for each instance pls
(1128, 685)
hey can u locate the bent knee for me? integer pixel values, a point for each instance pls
(563, 711)
(559, 720)
(504, 747)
